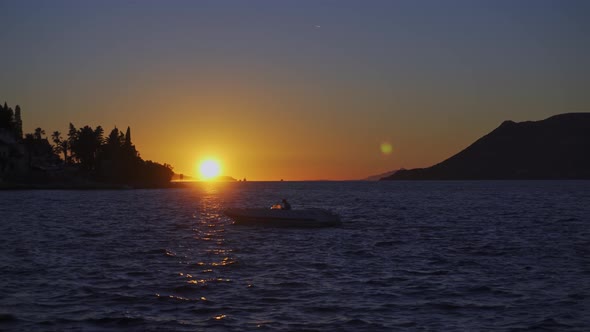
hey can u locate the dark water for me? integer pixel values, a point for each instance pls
(426, 256)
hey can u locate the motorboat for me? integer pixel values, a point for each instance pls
(285, 218)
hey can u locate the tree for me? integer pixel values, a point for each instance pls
(61, 145)
(86, 144)
(113, 139)
(128, 148)
(18, 123)
(56, 138)
(39, 151)
(128, 137)
(154, 174)
(99, 135)
(38, 134)
(7, 118)
(72, 138)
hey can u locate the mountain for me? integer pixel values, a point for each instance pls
(224, 178)
(555, 148)
(380, 176)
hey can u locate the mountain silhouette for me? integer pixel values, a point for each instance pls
(379, 176)
(555, 148)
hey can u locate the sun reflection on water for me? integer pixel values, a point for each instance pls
(204, 257)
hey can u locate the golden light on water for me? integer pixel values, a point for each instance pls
(209, 169)
(386, 148)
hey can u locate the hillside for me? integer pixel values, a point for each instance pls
(555, 148)
(379, 176)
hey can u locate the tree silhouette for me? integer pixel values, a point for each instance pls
(39, 151)
(8, 121)
(6, 118)
(128, 136)
(113, 159)
(72, 138)
(119, 160)
(18, 123)
(113, 139)
(61, 145)
(38, 134)
(85, 146)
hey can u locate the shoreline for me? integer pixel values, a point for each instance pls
(85, 186)
(190, 184)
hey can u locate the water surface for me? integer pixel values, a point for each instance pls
(490, 255)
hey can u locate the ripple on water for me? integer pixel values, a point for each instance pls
(409, 256)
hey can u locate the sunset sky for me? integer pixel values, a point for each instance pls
(298, 90)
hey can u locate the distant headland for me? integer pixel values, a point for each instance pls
(220, 178)
(555, 148)
(83, 159)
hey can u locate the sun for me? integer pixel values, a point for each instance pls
(209, 169)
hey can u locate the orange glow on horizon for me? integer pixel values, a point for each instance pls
(298, 93)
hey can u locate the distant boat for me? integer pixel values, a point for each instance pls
(284, 218)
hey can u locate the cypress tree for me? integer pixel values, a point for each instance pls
(128, 137)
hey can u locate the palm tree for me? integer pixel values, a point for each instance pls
(39, 133)
(85, 145)
(61, 145)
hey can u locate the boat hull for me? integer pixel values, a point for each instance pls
(284, 218)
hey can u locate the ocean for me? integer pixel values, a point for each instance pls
(409, 256)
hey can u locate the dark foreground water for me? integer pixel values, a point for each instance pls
(426, 256)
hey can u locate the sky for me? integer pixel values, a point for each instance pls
(294, 90)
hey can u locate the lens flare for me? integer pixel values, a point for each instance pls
(386, 148)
